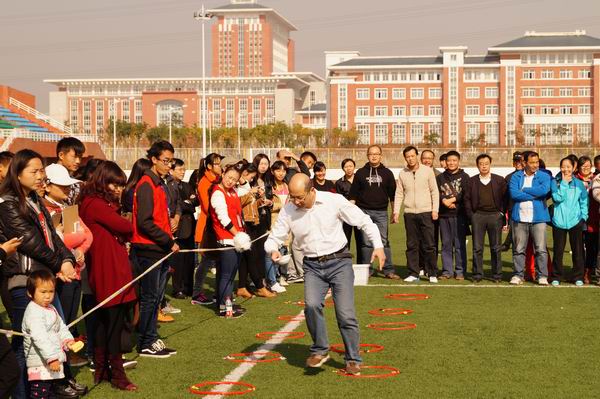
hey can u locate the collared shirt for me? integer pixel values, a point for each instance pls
(526, 207)
(318, 231)
(485, 180)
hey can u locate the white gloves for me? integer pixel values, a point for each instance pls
(242, 242)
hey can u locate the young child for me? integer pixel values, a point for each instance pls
(47, 335)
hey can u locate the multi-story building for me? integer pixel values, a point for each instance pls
(253, 82)
(539, 89)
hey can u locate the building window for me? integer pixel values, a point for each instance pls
(125, 111)
(472, 110)
(528, 110)
(74, 115)
(99, 117)
(529, 92)
(169, 112)
(417, 94)
(416, 134)
(472, 92)
(435, 110)
(256, 112)
(547, 74)
(491, 109)
(546, 110)
(87, 117)
(398, 134)
(584, 109)
(362, 111)
(584, 133)
(491, 92)
(473, 131)
(565, 92)
(381, 94)
(229, 112)
(362, 94)
(417, 110)
(529, 74)
(364, 134)
(566, 74)
(566, 110)
(584, 92)
(584, 74)
(547, 92)
(398, 94)
(381, 111)
(435, 129)
(138, 111)
(492, 133)
(435, 93)
(216, 113)
(270, 114)
(381, 134)
(399, 111)
(343, 106)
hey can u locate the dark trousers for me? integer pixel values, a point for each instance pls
(436, 240)
(576, 240)
(152, 287)
(9, 368)
(490, 223)
(357, 240)
(41, 389)
(5, 295)
(454, 246)
(183, 265)
(88, 301)
(590, 242)
(110, 325)
(420, 232)
(227, 267)
(252, 262)
(70, 299)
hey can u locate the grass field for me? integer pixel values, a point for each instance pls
(471, 341)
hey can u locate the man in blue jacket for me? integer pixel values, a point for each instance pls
(529, 189)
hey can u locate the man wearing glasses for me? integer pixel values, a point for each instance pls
(152, 240)
(372, 190)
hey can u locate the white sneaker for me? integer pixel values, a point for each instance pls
(411, 279)
(422, 273)
(543, 281)
(278, 288)
(282, 282)
(433, 280)
(516, 280)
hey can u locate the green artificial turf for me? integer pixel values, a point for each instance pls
(479, 341)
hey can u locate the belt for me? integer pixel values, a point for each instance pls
(341, 254)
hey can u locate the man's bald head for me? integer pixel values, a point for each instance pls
(300, 189)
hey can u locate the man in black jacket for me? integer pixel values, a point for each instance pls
(452, 218)
(372, 190)
(485, 207)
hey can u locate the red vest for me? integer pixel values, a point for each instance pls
(160, 213)
(234, 210)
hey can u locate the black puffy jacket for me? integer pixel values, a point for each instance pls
(33, 253)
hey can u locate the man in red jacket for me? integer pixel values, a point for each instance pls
(152, 240)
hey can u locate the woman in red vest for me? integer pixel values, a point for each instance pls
(227, 221)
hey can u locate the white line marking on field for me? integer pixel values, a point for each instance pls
(241, 370)
(427, 285)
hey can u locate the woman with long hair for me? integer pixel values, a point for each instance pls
(23, 216)
(590, 234)
(209, 171)
(109, 270)
(137, 171)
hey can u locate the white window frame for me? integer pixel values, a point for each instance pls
(398, 93)
(417, 93)
(363, 111)
(435, 110)
(399, 110)
(417, 110)
(381, 94)
(381, 110)
(491, 92)
(381, 133)
(435, 93)
(363, 94)
(472, 92)
(472, 110)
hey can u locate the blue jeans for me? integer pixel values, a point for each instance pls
(208, 261)
(272, 268)
(152, 287)
(380, 218)
(20, 301)
(521, 234)
(229, 262)
(338, 275)
(453, 231)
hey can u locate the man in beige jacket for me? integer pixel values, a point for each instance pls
(417, 190)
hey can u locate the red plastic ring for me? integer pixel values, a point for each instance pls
(374, 348)
(268, 357)
(287, 317)
(393, 371)
(195, 389)
(408, 297)
(390, 312)
(286, 334)
(381, 326)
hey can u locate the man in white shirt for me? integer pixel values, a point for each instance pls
(315, 219)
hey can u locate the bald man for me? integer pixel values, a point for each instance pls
(315, 219)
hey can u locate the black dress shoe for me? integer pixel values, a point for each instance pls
(77, 387)
(179, 295)
(61, 390)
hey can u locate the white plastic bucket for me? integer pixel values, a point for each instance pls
(361, 274)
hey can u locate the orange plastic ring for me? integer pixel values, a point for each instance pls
(286, 334)
(195, 389)
(408, 297)
(374, 348)
(328, 303)
(287, 317)
(268, 357)
(381, 326)
(392, 372)
(390, 311)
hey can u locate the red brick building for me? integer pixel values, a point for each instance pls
(542, 88)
